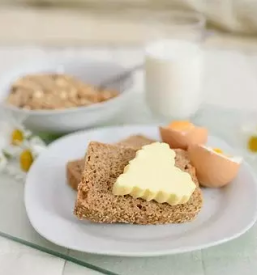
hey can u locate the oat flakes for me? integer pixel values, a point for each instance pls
(54, 91)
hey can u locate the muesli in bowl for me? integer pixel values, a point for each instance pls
(66, 100)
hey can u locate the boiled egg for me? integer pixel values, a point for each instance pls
(213, 167)
(180, 134)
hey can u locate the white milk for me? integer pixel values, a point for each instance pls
(173, 78)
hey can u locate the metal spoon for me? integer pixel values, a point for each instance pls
(127, 73)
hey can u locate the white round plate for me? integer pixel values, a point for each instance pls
(226, 214)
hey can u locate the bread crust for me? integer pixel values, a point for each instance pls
(95, 201)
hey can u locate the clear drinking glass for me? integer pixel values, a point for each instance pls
(174, 64)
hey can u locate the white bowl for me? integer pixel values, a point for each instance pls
(72, 119)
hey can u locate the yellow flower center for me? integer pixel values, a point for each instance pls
(252, 144)
(26, 159)
(17, 137)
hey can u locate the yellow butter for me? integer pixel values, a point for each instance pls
(152, 175)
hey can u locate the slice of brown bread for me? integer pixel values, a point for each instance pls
(74, 168)
(95, 201)
(135, 142)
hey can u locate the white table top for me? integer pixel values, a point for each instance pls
(230, 82)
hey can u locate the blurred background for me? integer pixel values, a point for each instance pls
(97, 22)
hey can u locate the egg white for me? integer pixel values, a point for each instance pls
(235, 159)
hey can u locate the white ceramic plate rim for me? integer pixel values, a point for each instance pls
(112, 252)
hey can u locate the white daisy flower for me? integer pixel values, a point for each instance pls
(248, 138)
(14, 171)
(36, 145)
(3, 161)
(18, 147)
(13, 134)
(30, 150)
(246, 141)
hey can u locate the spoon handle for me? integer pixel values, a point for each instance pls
(120, 77)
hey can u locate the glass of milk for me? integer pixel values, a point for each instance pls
(174, 67)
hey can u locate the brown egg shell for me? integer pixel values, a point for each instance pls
(178, 139)
(212, 170)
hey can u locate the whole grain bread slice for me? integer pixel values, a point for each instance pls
(95, 201)
(74, 168)
(135, 142)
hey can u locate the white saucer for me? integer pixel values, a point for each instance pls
(227, 213)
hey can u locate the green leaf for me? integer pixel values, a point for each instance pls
(48, 138)
(6, 154)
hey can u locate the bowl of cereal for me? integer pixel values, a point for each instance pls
(61, 96)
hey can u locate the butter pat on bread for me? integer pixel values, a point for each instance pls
(152, 175)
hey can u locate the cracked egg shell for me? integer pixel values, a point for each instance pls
(181, 134)
(213, 168)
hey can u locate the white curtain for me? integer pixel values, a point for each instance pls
(229, 15)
